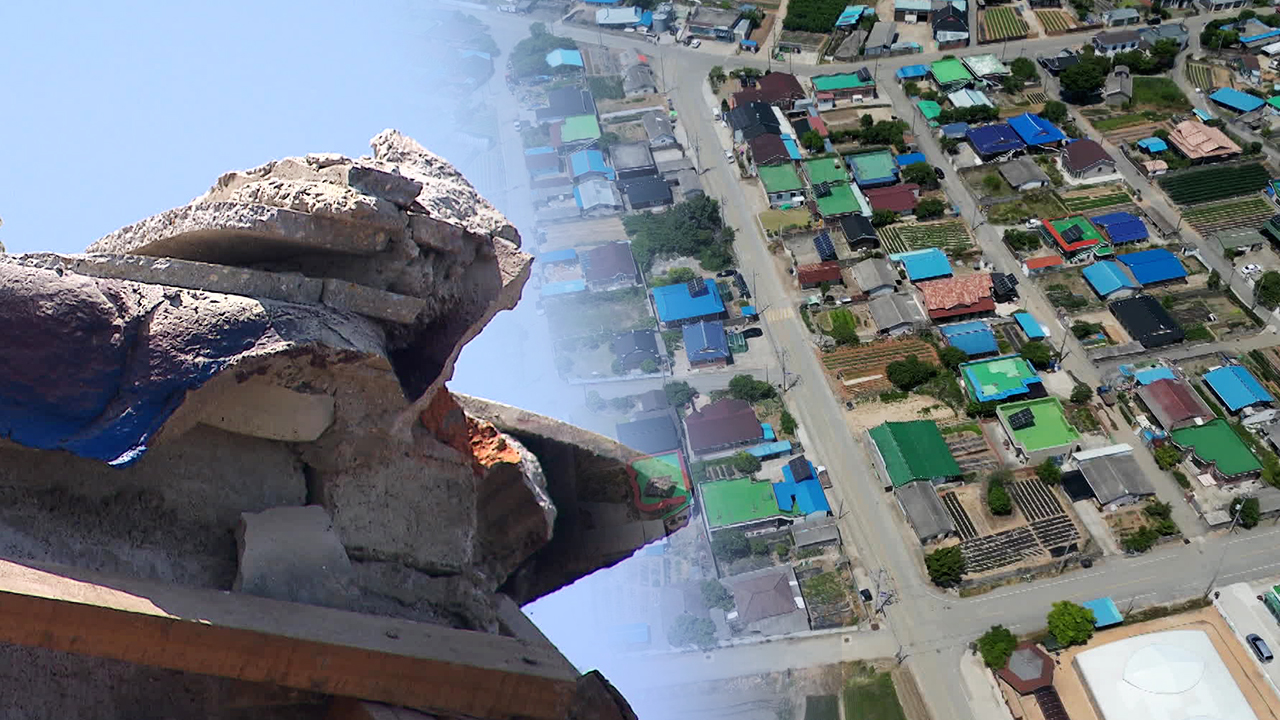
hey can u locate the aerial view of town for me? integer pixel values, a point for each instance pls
(946, 331)
(642, 359)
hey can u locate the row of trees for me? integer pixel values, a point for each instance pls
(693, 228)
(1069, 624)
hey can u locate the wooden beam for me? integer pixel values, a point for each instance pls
(232, 635)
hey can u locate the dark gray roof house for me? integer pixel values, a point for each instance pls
(650, 435)
(632, 348)
(566, 102)
(658, 127)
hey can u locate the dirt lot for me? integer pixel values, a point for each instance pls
(604, 107)
(627, 131)
(1114, 330)
(859, 371)
(868, 414)
(1243, 669)
(1070, 281)
(583, 233)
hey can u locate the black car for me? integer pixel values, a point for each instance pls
(1153, 20)
(726, 273)
(752, 333)
(938, 171)
(1259, 647)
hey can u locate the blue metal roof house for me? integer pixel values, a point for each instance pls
(1150, 375)
(1035, 130)
(1105, 612)
(924, 264)
(1153, 145)
(566, 287)
(913, 72)
(558, 256)
(1236, 387)
(675, 303)
(586, 162)
(955, 131)
(1153, 266)
(1030, 326)
(1235, 100)
(805, 495)
(850, 15)
(974, 338)
(705, 343)
(910, 159)
(561, 56)
(996, 139)
(1121, 227)
(1108, 278)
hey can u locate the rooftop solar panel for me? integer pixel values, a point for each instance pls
(1022, 419)
(826, 250)
(697, 287)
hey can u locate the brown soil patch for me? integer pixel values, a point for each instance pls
(860, 370)
(869, 414)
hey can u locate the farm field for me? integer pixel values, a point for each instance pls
(950, 236)
(1251, 211)
(1200, 186)
(1207, 77)
(1094, 200)
(1159, 92)
(852, 363)
(1056, 21)
(1002, 23)
(1033, 204)
(1037, 97)
(1119, 121)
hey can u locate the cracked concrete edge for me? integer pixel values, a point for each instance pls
(520, 422)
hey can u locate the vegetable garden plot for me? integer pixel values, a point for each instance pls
(1056, 21)
(950, 236)
(1251, 211)
(1200, 75)
(1002, 23)
(1200, 186)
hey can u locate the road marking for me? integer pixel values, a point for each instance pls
(775, 314)
(1253, 536)
(1154, 560)
(1251, 571)
(1036, 586)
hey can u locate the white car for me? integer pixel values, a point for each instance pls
(728, 155)
(695, 43)
(630, 29)
(1034, 223)
(1250, 269)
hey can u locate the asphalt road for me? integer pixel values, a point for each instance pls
(930, 630)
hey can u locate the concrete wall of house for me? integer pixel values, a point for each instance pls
(1096, 171)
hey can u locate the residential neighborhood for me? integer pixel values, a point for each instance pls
(912, 307)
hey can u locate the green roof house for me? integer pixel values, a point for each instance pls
(844, 85)
(930, 110)
(841, 200)
(1216, 447)
(910, 451)
(1047, 435)
(578, 128)
(825, 170)
(744, 503)
(950, 73)
(782, 184)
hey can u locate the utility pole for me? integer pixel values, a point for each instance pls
(1218, 568)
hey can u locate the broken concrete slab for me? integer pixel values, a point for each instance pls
(261, 409)
(231, 233)
(293, 554)
(320, 198)
(394, 187)
(343, 295)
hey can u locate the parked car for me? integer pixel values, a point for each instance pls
(938, 172)
(1155, 20)
(728, 155)
(1250, 269)
(695, 43)
(1034, 223)
(726, 273)
(1259, 647)
(752, 333)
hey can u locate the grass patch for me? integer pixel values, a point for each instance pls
(778, 221)
(1159, 92)
(824, 589)
(822, 707)
(606, 88)
(1120, 121)
(842, 319)
(963, 427)
(871, 696)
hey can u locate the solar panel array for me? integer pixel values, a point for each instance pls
(697, 287)
(1050, 704)
(1022, 419)
(822, 189)
(1073, 234)
(826, 250)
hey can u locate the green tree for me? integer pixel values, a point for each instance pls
(1249, 511)
(688, 630)
(1084, 79)
(910, 372)
(1070, 624)
(1022, 240)
(1081, 394)
(716, 595)
(930, 208)
(845, 334)
(595, 403)
(920, 173)
(867, 122)
(945, 565)
(716, 77)
(745, 387)
(1024, 69)
(675, 276)
(812, 141)
(1268, 289)
(1083, 329)
(1140, 540)
(679, 392)
(788, 423)
(1167, 456)
(996, 645)
(1038, 354)
(992, 183)
(1157, 510)
(730, 545)
(998, 500)
(911, 88)
(1048, 472)
(1054, 111)
(1215, 280)
(880, 218)
(746, 463)
(648, 366)
(951, 357)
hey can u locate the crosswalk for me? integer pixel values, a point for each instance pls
(775, 314)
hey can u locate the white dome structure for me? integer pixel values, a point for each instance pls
(1163, 669)
(1170, 675)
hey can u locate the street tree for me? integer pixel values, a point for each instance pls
(920, 173)
(679, 392)
(1167, 456)
(1054, 111)
(945, 565)
(1249, 511)
(996, 645)
(1048, 472)
(1038, 354)
(716, 595)
(749, 389)
(951, 357)
(788, 423)
(689, 630)
(1081, 394)
(1268, 289)
(1070, 624)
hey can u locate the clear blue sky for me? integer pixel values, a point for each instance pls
(115, 111)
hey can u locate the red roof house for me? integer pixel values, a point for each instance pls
(958, 296)
(811, 276)
(1174, 404)
(901, 199)
(776, 88)
(722, 425)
